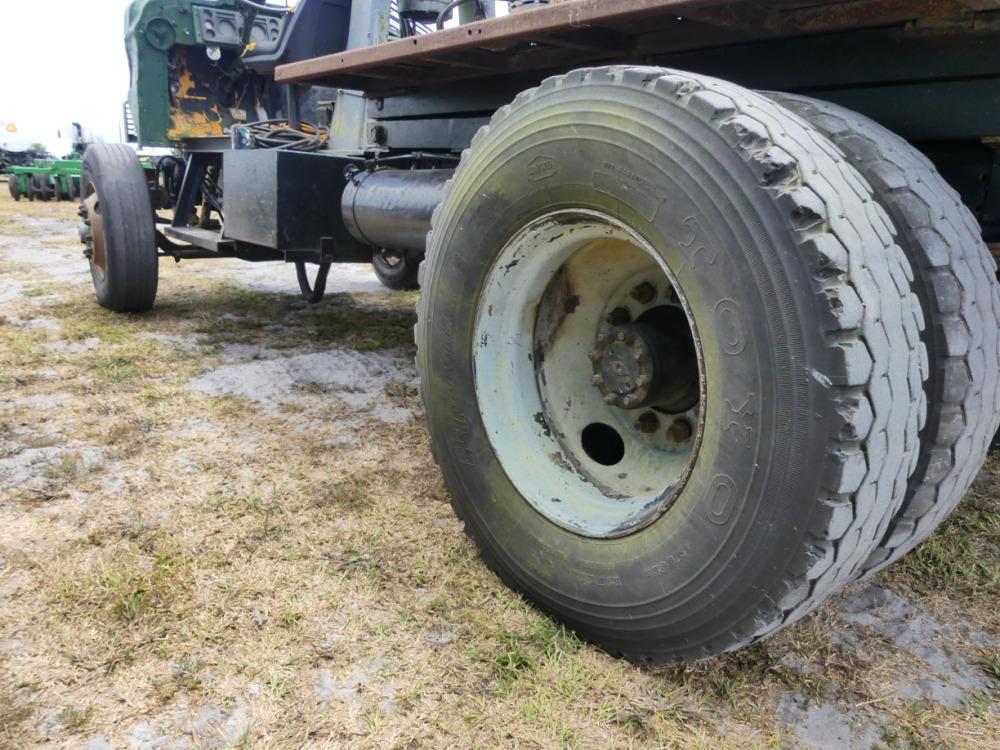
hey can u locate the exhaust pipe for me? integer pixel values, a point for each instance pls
(392, 208)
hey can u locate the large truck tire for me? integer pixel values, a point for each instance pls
(119, 230)
(670, 359)
(956, 284)
(14, 186)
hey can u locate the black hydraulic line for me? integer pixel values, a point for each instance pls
(268, 8)
(443, 15)
(312, 293)
(281, 135)
(416, 157)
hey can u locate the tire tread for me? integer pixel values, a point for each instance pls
(956, 281)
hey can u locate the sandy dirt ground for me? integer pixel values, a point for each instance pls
(221, 526)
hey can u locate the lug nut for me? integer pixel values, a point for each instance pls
(618, 317)
(680, 431)
(620, 335)
(647, 423)
(644, 293)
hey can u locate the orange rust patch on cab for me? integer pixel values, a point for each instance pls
(185, 123)
(190, 113)
(186, 85)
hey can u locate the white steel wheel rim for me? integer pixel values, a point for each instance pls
(535, 366)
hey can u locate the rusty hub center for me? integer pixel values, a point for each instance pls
(92, 233)
(627, 368)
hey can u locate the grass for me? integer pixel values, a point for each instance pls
(991, 665)
(962, 557)
(365, 322)
(73, 719)
(15, 710)
(64, 469)
(226, 566)
(133, 583)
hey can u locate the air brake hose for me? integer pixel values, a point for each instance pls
(443, 15)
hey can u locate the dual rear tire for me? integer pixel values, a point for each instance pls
(720, 243)
(954, 279)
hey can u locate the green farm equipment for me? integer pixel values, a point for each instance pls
(708, 318)
(46, 179)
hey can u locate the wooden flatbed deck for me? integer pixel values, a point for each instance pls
(578, 32)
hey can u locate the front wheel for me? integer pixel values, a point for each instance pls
(672, 371)
(118, 228)
(14, 186)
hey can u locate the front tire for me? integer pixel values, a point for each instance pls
(14, 186)
(569, 253)
(119, 229)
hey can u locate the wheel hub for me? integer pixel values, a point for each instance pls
(646, 364)
(627, 370)
(92, 233)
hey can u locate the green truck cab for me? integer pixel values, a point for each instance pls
(197, 68)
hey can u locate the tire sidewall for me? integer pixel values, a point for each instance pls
(678, 185)
(90, 173)
(125, 237)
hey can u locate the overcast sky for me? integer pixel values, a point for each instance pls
(63, 61)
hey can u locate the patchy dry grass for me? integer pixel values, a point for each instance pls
(15, 710)
(299, 572)
(963, 557)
